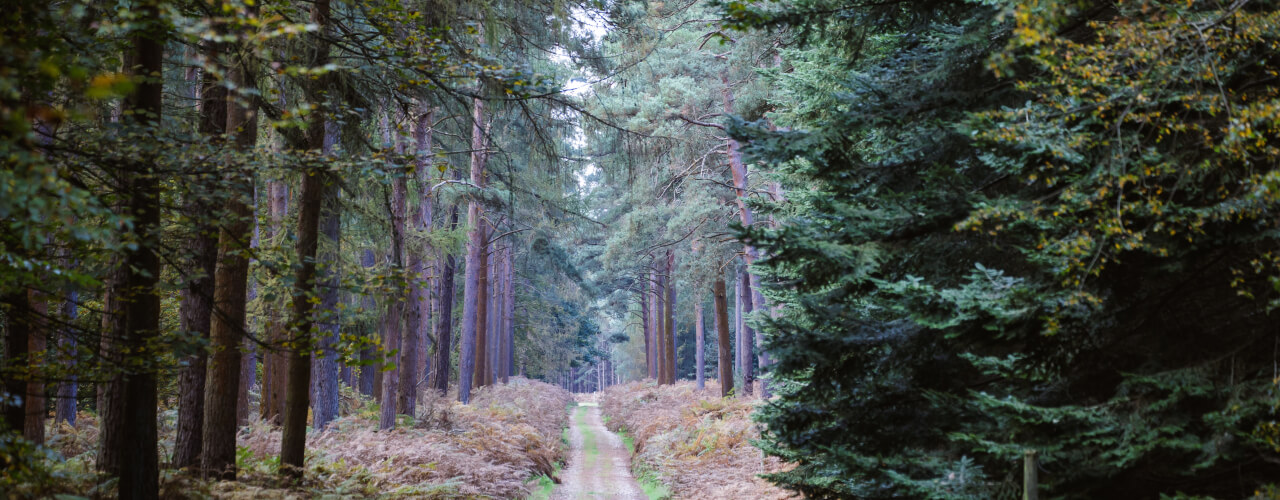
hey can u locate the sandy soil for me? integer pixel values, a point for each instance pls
(604, 472)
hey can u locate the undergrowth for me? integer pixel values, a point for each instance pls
(694, 442)
(494, 448)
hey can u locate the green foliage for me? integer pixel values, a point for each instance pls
(1011, 226)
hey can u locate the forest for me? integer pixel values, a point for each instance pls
(828, 249)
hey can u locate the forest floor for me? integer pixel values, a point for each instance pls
(496, 447)
(694, 442)
(599, 461)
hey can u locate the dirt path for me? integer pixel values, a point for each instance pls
(599, 464)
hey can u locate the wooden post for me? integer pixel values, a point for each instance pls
(1030, 480)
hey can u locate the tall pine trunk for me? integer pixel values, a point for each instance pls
(721, 312)
(475, 254)
(482, 374)
(325, 369)
(65, 409)
(444, 314)
(745, 337)
(315, 186)
(645, 327)
(655, 325)
(699, 359)
(37, 342)
(108, 391)
(139, 472)
(222, 385)
(418, 315)
(275, 360)
(660, 319)
(750, 283)
(669, 348)
(368, 363)
(17, 314)
(196, 310)
(508, 315)
(397, 330)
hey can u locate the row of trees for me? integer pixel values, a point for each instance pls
(670, 184)
(967, 230)
(202, 190)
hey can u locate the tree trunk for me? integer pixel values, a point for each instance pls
(644, 329)
(492, 305)
(444, 312)
(315, 187)
(416, 317)
(475, 253)
(18, 333)
(396, 332)
(509, 315)
(221, 397)
(655, 325)
(390, 378)
(368, 362)
(722, 337)
(762, 356)
(109, 400)
(660, 317)
(139, 474)
(37, 341)
(737, 328)
(325, 369)
(699, 359)
(196, 309)
(65, 410)
(753, 298)
(669, 329)
(482, 375)
(248, 363)
(195, 315)
(746, 336)
(275, 361)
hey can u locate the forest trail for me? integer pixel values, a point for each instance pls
(599, 463)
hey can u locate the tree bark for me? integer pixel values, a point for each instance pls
(655, 325)
(669, 348)
(418, 316)
(699, 359)
(65, 410)
(248, 361)
(197, 306)
(196, 309)
(509, 314)
(660, 319)
(275, 360)
(18, 333)
(325, 369)
(109, 390)
(368, 362)
(762, 356)
(753, 298)
(396, 332)
(747, 337)
(444, 313)
(315, 186)
(722, 337)
(644, 330)
(227, 326)
(482, 374)
(34, 400)
(492, 305)
(139, 475)
(475, 254)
